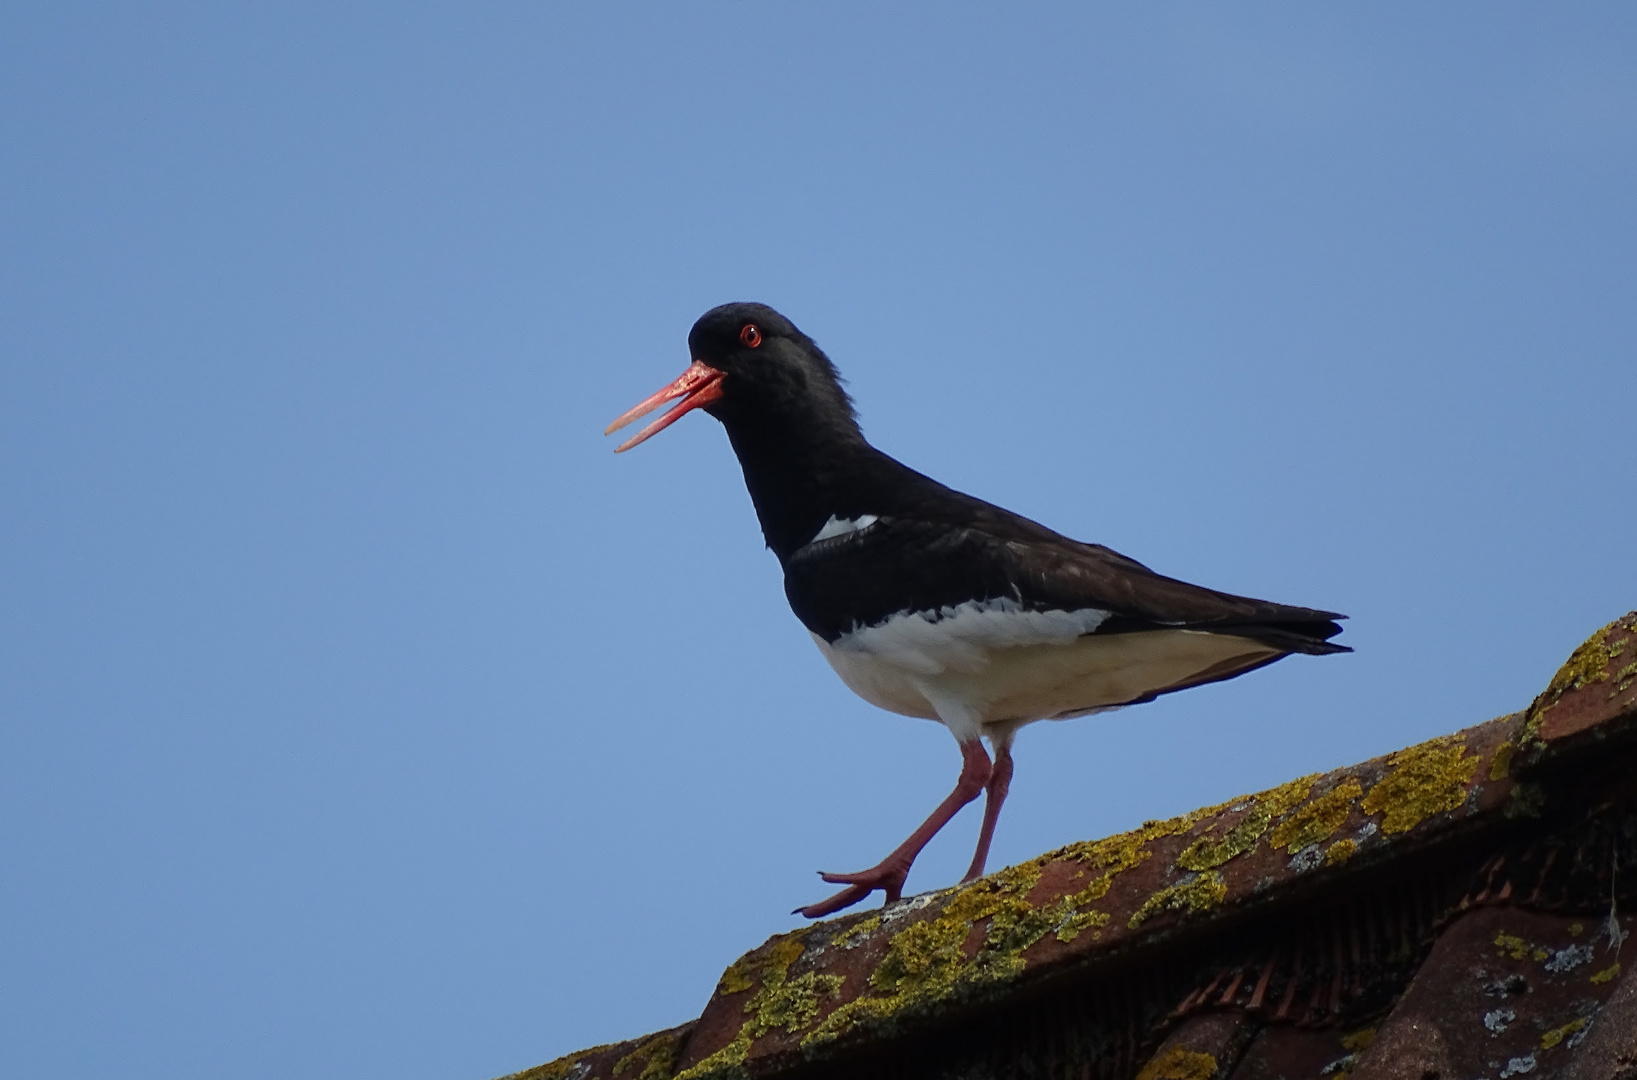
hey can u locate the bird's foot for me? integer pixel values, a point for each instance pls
(888, 876)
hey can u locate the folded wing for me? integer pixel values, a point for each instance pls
(903, 565)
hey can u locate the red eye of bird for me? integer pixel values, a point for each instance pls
(750, 335)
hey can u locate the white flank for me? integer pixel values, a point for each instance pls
(842, 526)
(961, 638)
(993, 663)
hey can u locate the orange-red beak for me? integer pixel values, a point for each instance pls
(700, 385)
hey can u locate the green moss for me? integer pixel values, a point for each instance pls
(1198, 894)
(781, 1002)
(1317, 820)
(1178, 1063)
(654, 1058)
(1209, 852)
(1427, 779)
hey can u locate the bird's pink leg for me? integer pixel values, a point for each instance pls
(889, 873)
(1000, 779)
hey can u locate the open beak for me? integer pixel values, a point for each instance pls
(700, 385)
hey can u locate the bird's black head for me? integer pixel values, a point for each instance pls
(789, 420)
(773, 369)
(758, 374)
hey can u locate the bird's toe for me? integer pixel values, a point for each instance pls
(888, 878)
(842, 900)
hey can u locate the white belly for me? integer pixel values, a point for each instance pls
(995, 664)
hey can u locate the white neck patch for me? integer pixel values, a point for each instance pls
(842, 526)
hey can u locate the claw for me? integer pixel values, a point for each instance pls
(887, 878)
(846, 898)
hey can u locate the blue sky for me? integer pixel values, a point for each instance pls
(361, 715)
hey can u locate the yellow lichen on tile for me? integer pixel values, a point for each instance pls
(781, 1002)
(1117, 854)
(1282, 799)
(1558, 1034)
(1339, 852)
(1519, 949)
(926, 961)
(1358, 1040)
(1424, 780)
(1204, 892)
(793, 1005)
(1212, 851)
(654, 1058)
(559, 1069)
(1624, 678)
(1209, 852)
(1588, 664)
(1065, 915)
(855, 934)
(1513, 946)
(1068, 920)
(1500, 764)
(736, 979)
(1071, 926)
(1318, 819)
(1179, 1063)
(1608, 974)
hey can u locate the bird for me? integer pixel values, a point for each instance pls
(931, 603)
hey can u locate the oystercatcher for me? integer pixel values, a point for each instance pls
(931, 603)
